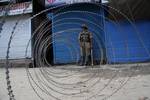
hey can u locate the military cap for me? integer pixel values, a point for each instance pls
(84, 26)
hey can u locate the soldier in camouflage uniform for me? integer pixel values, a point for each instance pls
(85, 41)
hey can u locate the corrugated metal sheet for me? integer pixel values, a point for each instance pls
(66, 28)
(128, 42)
(20, 39)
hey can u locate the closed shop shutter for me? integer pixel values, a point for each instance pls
(20, 38)
(67, 26)
(127, 43)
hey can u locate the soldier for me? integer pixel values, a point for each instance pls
(85, 41)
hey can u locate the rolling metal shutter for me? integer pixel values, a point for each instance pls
(20, 39)
(126, 42)
(67, 26)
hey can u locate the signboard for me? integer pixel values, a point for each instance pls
(16, 9)
(57, 2)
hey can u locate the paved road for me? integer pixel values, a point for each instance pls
(137, 86)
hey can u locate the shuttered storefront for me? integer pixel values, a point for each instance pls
(20, 38)
(128, 42)
(67, 26)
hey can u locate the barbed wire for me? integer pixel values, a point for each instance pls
(7, 65)
(42, 85)
(59, 83)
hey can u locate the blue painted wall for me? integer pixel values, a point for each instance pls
(126, 42)
(66, 28)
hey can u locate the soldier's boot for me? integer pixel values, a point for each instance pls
(88, 62)
(81, 62)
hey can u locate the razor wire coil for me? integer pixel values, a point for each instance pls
(45, 75)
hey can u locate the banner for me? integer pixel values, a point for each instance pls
(57, 2)
(16, 9)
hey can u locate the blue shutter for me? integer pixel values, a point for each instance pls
(66, 28)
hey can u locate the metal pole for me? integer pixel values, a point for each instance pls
(92, 56)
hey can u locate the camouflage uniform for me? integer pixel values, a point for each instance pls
(85, 41)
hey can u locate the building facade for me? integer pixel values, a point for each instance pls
(22, 32)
